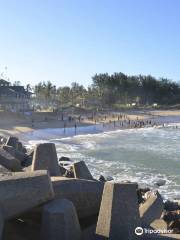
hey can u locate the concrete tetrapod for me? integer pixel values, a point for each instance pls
(45, 158)
(60, 221)
(22, 191)
(84, 194)
(119, 212)
(81, 171)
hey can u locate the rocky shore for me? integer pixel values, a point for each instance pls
(42, 197)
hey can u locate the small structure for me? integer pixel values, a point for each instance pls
(14, 98)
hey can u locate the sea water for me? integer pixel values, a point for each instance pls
(144, 155)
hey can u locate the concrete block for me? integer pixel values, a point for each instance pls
(81, 171)
(12, 141)
(159, 224)
(152, 209)
(22, 191)
(1, 225)
(84, 194)
(119, 212)
(60, 221)
(9, 161)
(3, 169)
(45, 158)
(14, 152)
(19, 146)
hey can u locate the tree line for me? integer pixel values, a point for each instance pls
(110, 90)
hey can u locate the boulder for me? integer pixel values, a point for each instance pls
(22, 191)
(119, 212)
(84, 194)
(81, 171)
(9, 161)
(60, 221)
(151, 209)
(45, 158)
(14, 152)
(12, 141)
(160, 182)
(64, 159)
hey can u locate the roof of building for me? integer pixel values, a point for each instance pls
(2, 81)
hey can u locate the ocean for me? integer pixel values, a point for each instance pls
(144, 155)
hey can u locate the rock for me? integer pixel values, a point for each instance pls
(45, 158)
(152, 209)
(85, 195)
(160, 182)
(81, 171)
(22, 191)
(17, 154)
(119, 213)
(9, 161)
(64, 159)
(60, 221)
(12, 141)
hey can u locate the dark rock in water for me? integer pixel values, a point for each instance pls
(64, 159)
(160, 182)
(109, 178)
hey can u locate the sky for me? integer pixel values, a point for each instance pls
(68, 41)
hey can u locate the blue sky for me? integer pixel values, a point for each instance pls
(71, 40)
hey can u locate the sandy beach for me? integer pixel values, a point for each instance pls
(14, 124)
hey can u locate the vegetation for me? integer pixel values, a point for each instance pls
(113, 90)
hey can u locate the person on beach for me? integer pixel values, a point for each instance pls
(64, 126)
(75, 127)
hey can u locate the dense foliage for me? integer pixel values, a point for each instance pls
(108, 90)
